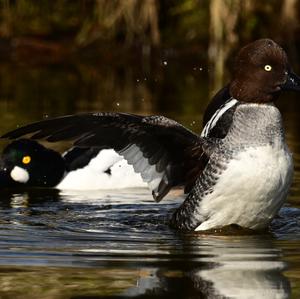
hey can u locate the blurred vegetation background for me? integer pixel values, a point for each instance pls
(213, 29)
(145, 56)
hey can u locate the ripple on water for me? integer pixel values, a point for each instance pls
(121, 245)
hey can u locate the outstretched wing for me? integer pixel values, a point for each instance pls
(157, 147)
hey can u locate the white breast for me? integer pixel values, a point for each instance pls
(251, 190)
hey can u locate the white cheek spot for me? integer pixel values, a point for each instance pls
(19, 174)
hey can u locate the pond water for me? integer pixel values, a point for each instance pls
(118, 244)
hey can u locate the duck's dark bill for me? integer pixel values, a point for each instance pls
(292, 82)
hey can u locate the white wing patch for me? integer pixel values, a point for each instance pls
(19, 174)
(217, 115)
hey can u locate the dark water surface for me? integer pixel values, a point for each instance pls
(98, 244)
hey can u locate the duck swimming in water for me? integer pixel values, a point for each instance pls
(238, 171)
(30, 164)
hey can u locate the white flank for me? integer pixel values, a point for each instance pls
(255, 183)
(214, 119)
(94, 177)
(19, 174)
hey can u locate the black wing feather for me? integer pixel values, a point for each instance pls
(163, 143)
(77, 157)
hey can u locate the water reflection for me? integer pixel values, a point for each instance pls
(222, 268)
(120, 245)
(243, 268)
(246, 272)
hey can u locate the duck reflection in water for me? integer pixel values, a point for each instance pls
(219, 267)
(159, 262)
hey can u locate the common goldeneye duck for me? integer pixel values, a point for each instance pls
(237, 172)
(25, 162)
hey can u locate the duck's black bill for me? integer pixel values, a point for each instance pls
(292, 82)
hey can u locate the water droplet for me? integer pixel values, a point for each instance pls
(118, 104)
(165, 62)
(138, 80)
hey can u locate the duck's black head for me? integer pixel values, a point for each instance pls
(261, 72)
(25, 162)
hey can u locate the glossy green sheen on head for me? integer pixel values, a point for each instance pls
(44, 166)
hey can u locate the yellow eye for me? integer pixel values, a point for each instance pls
(268, 68)
(26, 159)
